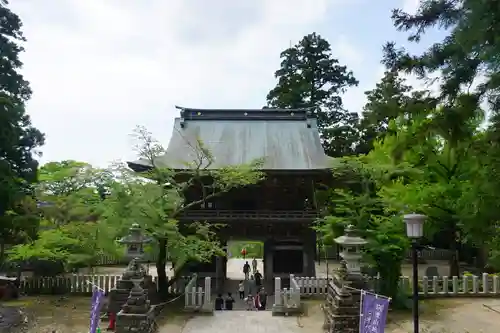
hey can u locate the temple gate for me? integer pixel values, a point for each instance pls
(278, 211)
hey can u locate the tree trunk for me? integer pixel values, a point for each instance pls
(161, 268)
(177, 274)
(2, 251)
(455, 258)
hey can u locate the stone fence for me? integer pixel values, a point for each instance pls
(435, 287)
(287, 300)
(486, 285)
(197, 298)
(333, 253)
(81, 284)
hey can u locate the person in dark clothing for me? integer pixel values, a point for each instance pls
(219, 302)
(246, 270)
(229, 301)
(258, 278)
(263, 299)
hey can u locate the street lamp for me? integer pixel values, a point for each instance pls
(414, 231)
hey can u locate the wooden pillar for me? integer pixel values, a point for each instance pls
(309, 252)
(268, 260)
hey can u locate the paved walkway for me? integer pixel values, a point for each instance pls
(242, 322)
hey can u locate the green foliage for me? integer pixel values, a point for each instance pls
(391, 101)
(470, 49)
(18, 138)
(71, 228)
(310, 77)
(74, 244)
(361, 207)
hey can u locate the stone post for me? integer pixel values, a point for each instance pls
(207, 303)
(278, 301)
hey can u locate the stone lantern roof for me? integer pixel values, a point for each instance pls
(135, 236)
(350, 238)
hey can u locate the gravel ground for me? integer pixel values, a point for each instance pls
(448, 316)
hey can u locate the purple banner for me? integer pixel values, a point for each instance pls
(373, 313)
(97, 296)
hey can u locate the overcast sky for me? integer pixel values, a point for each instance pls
(98, 68)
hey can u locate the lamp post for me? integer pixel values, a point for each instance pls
(414, 231)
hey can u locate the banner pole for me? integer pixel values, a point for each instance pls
(94, 285)
(377, 295)
(361, 311)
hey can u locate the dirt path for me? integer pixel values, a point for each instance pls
(457, 316)
(448, 316)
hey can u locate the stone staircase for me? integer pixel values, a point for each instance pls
(239, 305)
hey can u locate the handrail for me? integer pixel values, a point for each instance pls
(189, 290)
(291, 297)
(250, 214)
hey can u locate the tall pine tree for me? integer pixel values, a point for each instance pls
(470, 53)
(391, 99)
(18, 138)
(310, 77)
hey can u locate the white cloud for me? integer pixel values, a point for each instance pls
(410, 6)
(98, 68)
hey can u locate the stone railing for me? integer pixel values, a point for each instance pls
(287, 300)
(435, 287)
(333, 253)
(292, 299)
(198, 299)
(81, 284)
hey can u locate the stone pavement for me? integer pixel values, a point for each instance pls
(242, 322)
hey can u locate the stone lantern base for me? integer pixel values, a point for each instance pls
(343, 300)
(135, 322)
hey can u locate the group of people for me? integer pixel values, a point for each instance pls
(257, 296)
(257, 300)
(224, 303)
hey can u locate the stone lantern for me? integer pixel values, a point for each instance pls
(352, 246)
(135, 242)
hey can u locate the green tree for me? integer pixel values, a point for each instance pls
(310, 77)
(18, 138)
(70, 206)
(358, 204)
(435, 152)
(72, 191)
(156, 199)
(391, 99)
(467, 61)
(467, 55)
(75, 244)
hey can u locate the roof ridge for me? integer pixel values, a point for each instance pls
(307, 109)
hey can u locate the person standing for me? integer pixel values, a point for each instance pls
(241, 289)
(229, 302)
(219, 302)
(262, 298)
(250, 302)
(258, 278)
(252, 287)
(254, 265)
(257, 304)
(246, 270)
